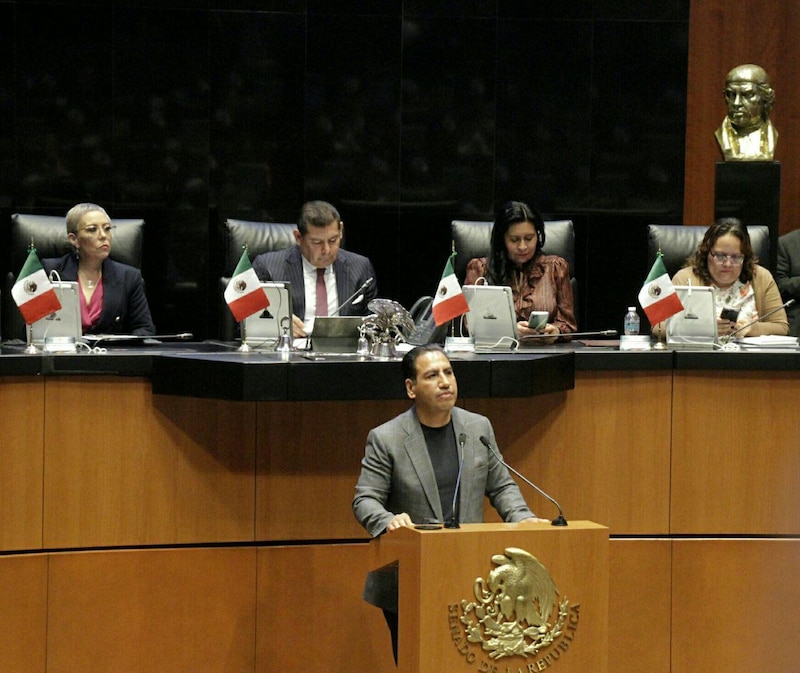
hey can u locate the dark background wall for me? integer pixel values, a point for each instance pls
(405, 115)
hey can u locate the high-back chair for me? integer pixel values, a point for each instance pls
(678, 242)
(259, 237)
(472, 239)
(48, 233)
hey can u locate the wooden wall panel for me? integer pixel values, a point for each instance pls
(736, 463)
(311, 616)
(23, 613)
(21, 462)
(152, 610)
(601, 450)
(735, 605)
(309, 459)
(639, 607)
(133, 469)
(723, 35)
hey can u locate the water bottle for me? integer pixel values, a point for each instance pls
(631, 324)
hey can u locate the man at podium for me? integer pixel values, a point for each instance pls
(429, 467)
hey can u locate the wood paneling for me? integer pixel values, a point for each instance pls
(723, 35)
(23, 613)
(124, 468)
(311, 616)
(735, 605)
(639, 614)
(21, 461)
(309, 458)
(151, 611)
(602, 450)
(735, 467)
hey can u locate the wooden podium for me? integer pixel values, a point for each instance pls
(461, 597)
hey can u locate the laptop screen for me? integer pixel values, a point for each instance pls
(491, 320)
(66, 322)
(696, 325)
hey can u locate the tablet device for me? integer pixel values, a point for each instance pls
(491, 319)
(66, 322)
(267, 325)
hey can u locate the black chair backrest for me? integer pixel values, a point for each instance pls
(472, 239)
(678, 242)
(49, 235)
(257, 236)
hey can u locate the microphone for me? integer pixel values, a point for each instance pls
(560, 520)
(454, 522)
(605, 332)
(353, 296)
(728, 337)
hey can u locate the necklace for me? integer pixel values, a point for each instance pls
(90, 284)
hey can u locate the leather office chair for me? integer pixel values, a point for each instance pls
(49, 236)
(678, 241)
(472, 239)
(259, 237)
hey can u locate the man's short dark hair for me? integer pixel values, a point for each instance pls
(409, 363)
(317, 214)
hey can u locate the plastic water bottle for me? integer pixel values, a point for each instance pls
(632, 323)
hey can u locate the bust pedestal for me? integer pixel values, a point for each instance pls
(750, 191)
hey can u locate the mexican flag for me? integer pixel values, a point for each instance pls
(244, 294)
(33, 292)
(449, 301)
(658, 297)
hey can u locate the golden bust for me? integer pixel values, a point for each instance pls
(747, 134)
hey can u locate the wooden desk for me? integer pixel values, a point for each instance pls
(111, 496)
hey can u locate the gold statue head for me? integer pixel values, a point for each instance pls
(749, 97)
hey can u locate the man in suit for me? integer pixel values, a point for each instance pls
(410, 468)
(787, 276)
(322, 275)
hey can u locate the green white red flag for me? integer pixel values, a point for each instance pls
(33, 292)
(244, 294)
(658, 297)
(449, 301)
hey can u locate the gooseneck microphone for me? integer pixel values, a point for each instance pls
(369, 281)
(759, 319)
(454, 517)
(558, 521)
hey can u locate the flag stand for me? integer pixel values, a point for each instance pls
(245, 347)
(31, 348)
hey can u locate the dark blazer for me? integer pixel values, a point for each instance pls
(787, 276)
(351, 271)
(397, 476)
(125, 309)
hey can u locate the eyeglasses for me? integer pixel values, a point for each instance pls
(721, 258)
(94, 230)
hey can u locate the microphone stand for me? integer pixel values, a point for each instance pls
(559, 520)
(727, 338)
(355, 294)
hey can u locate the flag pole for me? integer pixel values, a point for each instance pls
(244, 347)
(31, 348)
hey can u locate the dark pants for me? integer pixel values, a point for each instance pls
(391, 622)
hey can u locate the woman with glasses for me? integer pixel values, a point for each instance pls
(111, 294)
(744, 289)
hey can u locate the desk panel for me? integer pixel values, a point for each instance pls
(23, 613)
(735, 605)
(152, 610)
(125, 467)
(736, 453)
(308, 461)
(601, 450)
(21, 462)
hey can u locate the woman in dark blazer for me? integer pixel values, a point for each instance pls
(111, 294)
